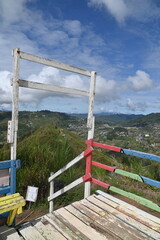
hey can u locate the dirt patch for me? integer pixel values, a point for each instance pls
(28, 215)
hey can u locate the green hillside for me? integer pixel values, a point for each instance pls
(148, 120)
(116, 118)
(49, 148)
(45, 147)
(30, 121)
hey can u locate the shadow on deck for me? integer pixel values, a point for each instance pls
(98, 217)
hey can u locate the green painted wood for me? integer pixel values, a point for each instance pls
(136, 198)
(128, 174)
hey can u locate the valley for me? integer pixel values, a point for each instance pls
(48, 140)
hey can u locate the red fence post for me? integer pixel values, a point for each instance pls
(89, 160)
(88, 177)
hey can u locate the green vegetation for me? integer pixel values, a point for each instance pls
(47, 141)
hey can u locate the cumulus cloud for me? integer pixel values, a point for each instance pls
(63, 40)
(5, 90)
(136, 106)
(131, 105)
(106, 90)
(11, 14)
(117, 8)
(73, 27)
(141, 81)
(123, 9)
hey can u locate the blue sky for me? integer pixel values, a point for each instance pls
(117, 38)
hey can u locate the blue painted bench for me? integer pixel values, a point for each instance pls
(8, 170)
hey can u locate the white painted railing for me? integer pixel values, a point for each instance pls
(69, 186)
(16, 82)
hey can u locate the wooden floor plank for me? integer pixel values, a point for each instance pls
(72, 228)
(110, 222)
(129, 220)
(8, 233)
(30, 233)
(88, 219)
(81, 226)
(131, 207)
(61, 227)
(98, 217)
(47, 230)
(150, 221)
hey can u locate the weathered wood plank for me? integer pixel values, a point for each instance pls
(30, 233)
(61, 227)
(8, 233)
(78, 234)
(136, 213)
(47, 230)
(114, 226)
(52, 88)
(53, 63)
(133, 212)
(88, 231)
(66, 188)
(124, 218)
(129, 206)
(137, 225)
(88, 219)
(91, 99)
(4, 177)
(15, 100)
(68, 165)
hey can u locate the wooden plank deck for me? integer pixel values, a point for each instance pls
(98, 217)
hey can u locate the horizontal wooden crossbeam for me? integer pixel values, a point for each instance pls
(51, 88)
(52, 63)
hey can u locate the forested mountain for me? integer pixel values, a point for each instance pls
(47, 141)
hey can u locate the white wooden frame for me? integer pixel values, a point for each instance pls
(17, 82)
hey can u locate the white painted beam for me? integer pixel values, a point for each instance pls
(91, 99)
(15, 103)
(65, 189)
(52, 88)
(53, 63)
(70, 164)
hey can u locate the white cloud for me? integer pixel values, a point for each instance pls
(10, 13)
(73, 27)
(106, 90)
(63, 40)
(123, 9)
(136, 106)
(141, 81)
(5, 90)
(131, 105)
(117, 8)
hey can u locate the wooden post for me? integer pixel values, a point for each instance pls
(91, 101)
(90, 125)
(51, 203)
(15, 98)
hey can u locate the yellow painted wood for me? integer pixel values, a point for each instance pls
(11, 216)
(2, 199)
(19, 210)
(12, 203)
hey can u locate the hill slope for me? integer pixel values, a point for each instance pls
(148, 120)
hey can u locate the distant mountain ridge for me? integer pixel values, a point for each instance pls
(150, 119)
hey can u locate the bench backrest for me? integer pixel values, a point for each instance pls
(8, 176)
